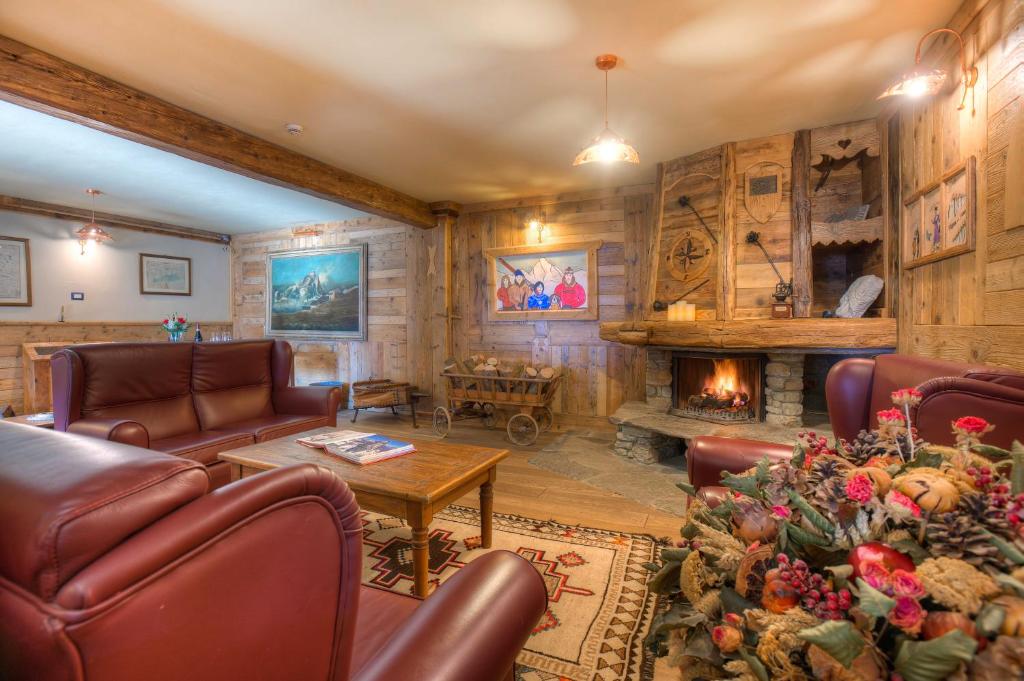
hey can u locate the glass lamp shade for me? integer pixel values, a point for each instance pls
(917, 83)
(607, 148)
(90, 231)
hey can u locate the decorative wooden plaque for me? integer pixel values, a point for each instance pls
(762, 190)
(690, 255)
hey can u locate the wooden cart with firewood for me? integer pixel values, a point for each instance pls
(486, 389)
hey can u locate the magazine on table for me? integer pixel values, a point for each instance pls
(356, 447)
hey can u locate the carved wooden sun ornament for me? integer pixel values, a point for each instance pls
(690, 255)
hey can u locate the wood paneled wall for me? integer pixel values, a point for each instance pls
(599, 376)
(971, 307)
(398, 300)
(14, 334)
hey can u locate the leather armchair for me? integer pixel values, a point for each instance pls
(117, 564)
(856, 389)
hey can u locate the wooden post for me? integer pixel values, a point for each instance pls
(726, 302)
(442, 320)
(800, 193)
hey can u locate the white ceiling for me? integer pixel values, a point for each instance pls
(473, 100)
(48, 159)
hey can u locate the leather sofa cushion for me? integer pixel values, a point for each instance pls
(62, 512)
(203, 446)
(271, 427)
(380, 614)
(231, 382)
(145, 382)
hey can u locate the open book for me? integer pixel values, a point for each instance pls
(356, 447)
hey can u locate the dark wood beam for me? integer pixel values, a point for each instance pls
(800, 209)
(52, 210)
(43, 82)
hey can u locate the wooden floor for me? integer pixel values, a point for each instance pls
(526, 490)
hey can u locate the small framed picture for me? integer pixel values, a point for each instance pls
(15, 272)
(165, 275)
(939, 219)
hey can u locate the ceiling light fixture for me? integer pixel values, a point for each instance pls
(921, 81)
(91, 232)
(294, 129)
(607, 147)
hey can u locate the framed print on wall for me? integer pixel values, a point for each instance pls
(319, 292)
(939, 219)
(165, 275)
(542, 282)
(15, 272)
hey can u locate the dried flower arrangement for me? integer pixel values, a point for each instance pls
(882, 558)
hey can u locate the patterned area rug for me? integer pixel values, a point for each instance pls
(599, 608)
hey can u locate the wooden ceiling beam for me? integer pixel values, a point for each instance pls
(45, 83)
(53, 210)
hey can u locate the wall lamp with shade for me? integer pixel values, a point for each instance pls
(608, 147)
(922, 81)
(91, 232)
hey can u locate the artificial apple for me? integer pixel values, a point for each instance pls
(876, 551)
(937, 624)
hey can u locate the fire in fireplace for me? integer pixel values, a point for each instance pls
(716, 388)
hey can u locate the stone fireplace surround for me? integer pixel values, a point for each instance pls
(647, 433)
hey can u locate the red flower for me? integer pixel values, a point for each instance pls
(908, 614)
(892, 417)
(166, 321)
(728, 639)
(859, 488)
(972, 425)
(181, 320)
(876, 575)
(903, 501)
(906, 396)
(907, 584)
(781, 512)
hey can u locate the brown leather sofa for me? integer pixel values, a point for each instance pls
(192, 400)
(856, 389)
(117, 565)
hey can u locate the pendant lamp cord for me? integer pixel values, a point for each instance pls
(606, 100)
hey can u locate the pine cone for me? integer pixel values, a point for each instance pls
(978, 508)
(866, 445)
(827, 480)
(785, 477)
(953, 535)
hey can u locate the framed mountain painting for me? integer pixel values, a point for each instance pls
(318, 292)
(15, 272)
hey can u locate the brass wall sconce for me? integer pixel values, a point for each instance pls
(921, 81)
(537, 225)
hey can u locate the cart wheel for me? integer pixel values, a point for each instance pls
(442, 421)
(545, 419)
(522, 430)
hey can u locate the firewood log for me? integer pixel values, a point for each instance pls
(547, 373)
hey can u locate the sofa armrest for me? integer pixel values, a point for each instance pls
(848, 393)
(470, 629)
(312, 400)
(947, 399)
(124, 431)
(708, 456)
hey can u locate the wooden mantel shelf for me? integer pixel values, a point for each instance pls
(804, 333)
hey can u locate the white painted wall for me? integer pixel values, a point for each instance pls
(109, 275)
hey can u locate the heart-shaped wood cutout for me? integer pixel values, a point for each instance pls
(844, 143)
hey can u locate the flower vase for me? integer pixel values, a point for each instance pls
(174, 336)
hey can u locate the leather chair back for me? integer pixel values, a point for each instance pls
(857, 389)
(145, 382)
(116, 564)
(232, 382)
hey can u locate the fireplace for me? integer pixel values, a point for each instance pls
(718, 388)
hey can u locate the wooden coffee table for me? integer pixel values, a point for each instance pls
(413, 487)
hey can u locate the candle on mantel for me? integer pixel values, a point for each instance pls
(681, 311)
(690, 314)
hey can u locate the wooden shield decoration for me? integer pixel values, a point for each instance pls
(762, 190)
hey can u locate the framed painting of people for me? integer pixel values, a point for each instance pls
(15, 272)
(317, 293)
(165, 275)
(939, 218)
(542, 282)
